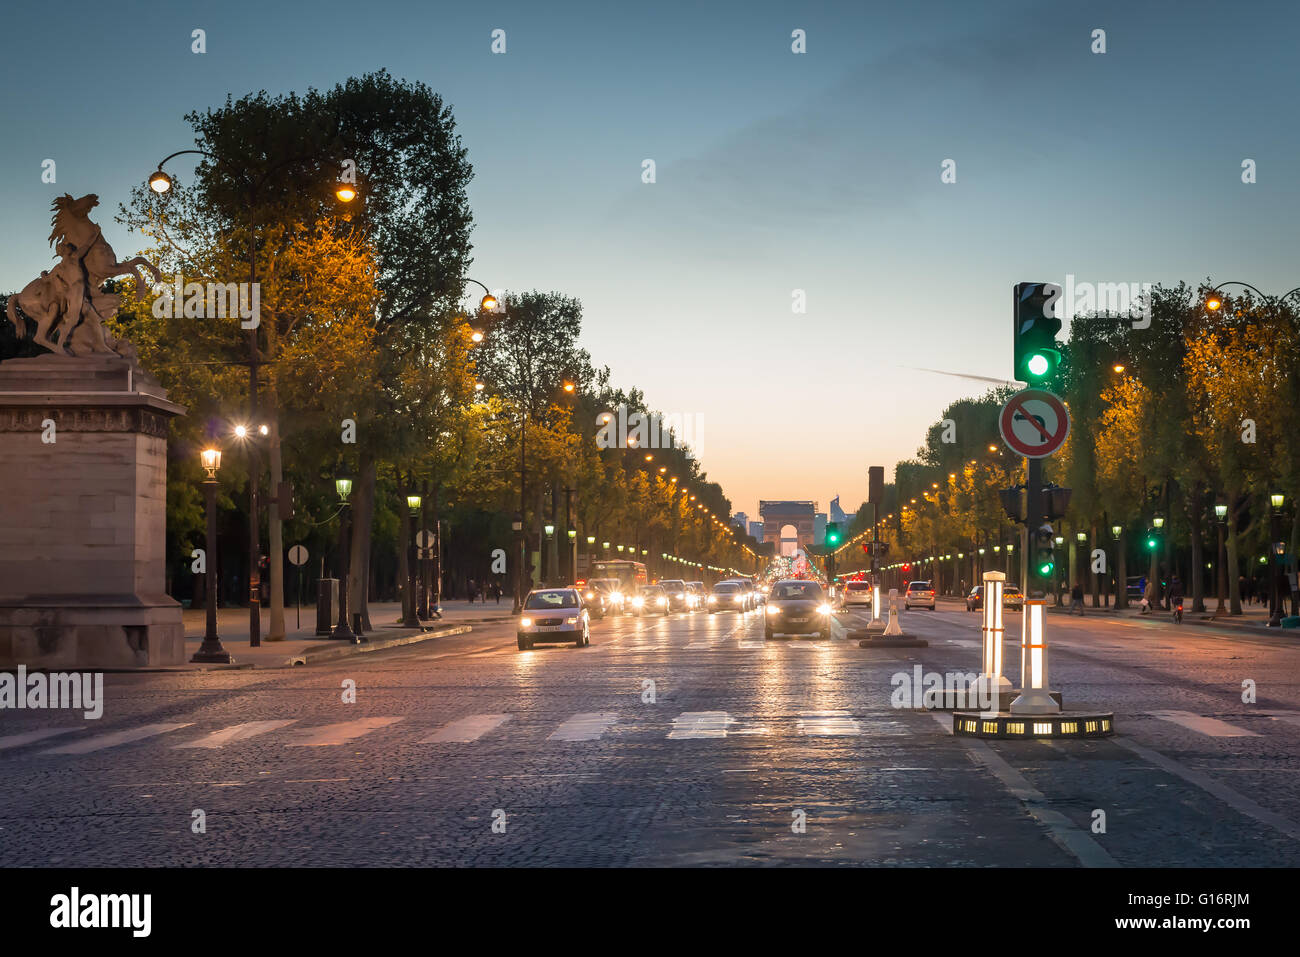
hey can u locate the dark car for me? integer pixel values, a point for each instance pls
(678, 597)
(975, 600)
(920, 594)
(598, 596)
(797, 607)
(650, 600)
(728, 596)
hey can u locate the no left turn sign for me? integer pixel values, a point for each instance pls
(1034, 423)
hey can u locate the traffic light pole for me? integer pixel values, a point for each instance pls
(1033, 518)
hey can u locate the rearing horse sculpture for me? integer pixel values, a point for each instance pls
(69, 298)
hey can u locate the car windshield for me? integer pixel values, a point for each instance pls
(856, 586)
(785, 591)
(602, 584)
(652, 590)
(724, 589)
(1011, 590)
(919, 586)
(544, 600)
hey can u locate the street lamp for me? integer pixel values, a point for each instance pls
(211, 651)
(343, 486)
(517, 526)
(1277, 499)
(409, 606)
(1221, 577)
(162, 183)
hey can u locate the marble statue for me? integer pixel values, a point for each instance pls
(68, 300)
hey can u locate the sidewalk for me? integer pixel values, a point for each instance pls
(301, 644)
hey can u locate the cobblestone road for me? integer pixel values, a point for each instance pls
(688, 740)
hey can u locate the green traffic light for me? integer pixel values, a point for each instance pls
(1045, 569)
(1151, 544)
(1038, 364)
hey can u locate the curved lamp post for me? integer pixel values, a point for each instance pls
(161, 183)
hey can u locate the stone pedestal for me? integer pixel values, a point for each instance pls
(83, 516)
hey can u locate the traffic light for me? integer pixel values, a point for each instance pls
(1044, 552)
(832, 534)
(1036, 325)
(1153, 540)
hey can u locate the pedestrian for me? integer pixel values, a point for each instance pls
(1148, 598)
(496, 590)
(471, 590)
(1076, 598)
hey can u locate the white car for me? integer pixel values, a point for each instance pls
(920, 594)
(856, 593)
(554, 615)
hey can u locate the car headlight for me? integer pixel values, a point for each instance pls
(638, 601)
(663, 601)
(591, 594)
(525, 623)
(713, 599)
(823, 609)
(570, 621)
(737, 599)
(773, 609)
(617, 598)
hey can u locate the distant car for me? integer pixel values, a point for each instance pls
(727, 596)
(746, 589)
(856, 593)
(608, 593)
(920, 594)
(650, 600)
(554, 615)
(1012, 596)
(975, 600)
(797, 607)
(678, 597)
(699, 595)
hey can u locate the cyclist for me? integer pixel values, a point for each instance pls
(1176, 598)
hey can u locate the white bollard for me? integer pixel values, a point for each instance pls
(991, 683)
(893, 628)
(1034, 697)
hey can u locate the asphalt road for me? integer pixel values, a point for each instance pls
(577, 759)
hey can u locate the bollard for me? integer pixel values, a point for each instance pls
(1034, 697)
(893, 628)
(991, 683)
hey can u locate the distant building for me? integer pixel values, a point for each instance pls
(740, 520)
(819, 527)
(756, 531)
(837, 513)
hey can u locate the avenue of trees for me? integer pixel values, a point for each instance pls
(1200, 408)
(367, 359)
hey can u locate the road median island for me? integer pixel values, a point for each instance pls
(331, 651)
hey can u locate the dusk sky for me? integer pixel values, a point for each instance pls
(776, 172)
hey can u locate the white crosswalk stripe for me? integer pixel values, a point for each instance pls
(1212, 727)
(701, 724)
(333, 734)
(27, 737)
(113, 738)
(466, 730)
(585, 726)
(236, 732)
(828, 723)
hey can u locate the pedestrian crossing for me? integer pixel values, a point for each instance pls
(581, 727)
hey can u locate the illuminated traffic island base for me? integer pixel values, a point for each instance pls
(893, 635)
(1035, 712)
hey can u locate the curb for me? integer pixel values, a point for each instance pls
(348, 650)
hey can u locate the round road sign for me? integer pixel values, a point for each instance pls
(1034, 423)
(298, 555)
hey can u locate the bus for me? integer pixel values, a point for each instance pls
(630, 575)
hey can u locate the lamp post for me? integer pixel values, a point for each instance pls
(410, 616)
(1158, 522)
(1278, 548)
(343, 486)
(211, 651)
(1220, 560)
(517, 526)
(161, 183)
